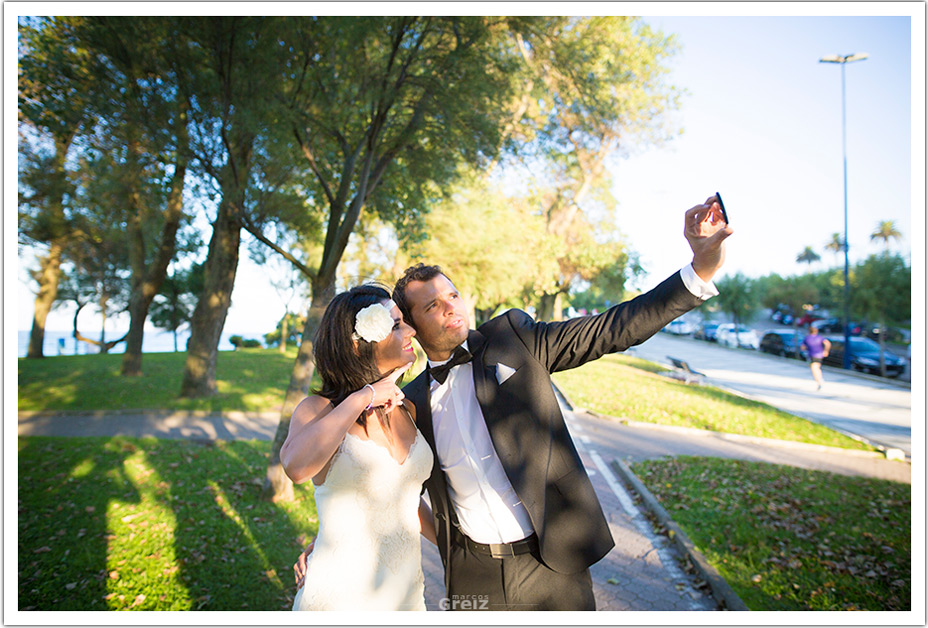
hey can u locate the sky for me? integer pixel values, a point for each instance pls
(761, 123)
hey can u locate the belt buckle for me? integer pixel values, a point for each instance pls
(509, 552)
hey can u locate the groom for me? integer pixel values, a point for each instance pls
(517, 521)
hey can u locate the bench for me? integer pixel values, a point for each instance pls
(684, 370)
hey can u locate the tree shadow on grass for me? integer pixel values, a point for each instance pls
(62, 519)
(233, 550)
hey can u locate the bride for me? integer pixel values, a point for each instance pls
(359, 444)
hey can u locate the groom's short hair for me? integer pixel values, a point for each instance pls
(419, 272)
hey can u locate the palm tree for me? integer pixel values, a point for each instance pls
(835, 245)
(808, 256)
(886, 231)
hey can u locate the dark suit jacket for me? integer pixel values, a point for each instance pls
(526, 425)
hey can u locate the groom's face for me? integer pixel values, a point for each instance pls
(438, 314)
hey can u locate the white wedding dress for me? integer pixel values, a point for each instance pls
(367, 554)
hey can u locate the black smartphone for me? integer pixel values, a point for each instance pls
(722, 205)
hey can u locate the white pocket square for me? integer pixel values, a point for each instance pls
(504, 372)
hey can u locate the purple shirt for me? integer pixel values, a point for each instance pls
(815, 344)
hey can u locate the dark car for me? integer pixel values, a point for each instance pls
(865, 356)
(783, 342)
(706, 331)
(836, 326)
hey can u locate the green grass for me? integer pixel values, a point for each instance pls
(631, 388)
(247, 380)
(146, 524)
(792, 539)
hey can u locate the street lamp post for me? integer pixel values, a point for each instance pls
(844, 60)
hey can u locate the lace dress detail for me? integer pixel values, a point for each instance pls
(367, 554)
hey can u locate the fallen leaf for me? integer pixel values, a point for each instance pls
(70, 586)
(114, 575)
(612, 581)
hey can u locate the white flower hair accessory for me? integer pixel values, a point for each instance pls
(374, 323)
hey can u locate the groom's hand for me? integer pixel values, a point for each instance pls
(299, 569)
(706, 231)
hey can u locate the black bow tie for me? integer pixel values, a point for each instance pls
(460, 356)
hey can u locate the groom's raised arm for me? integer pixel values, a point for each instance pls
(568, 344)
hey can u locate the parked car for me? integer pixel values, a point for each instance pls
(707, 331)
(783, 342)
(742, 337)
(680, 327)
(782, 314)
(865, 356)
(890, 334)
(835, 326)
(809, 317)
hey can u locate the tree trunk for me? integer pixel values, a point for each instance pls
(147, 284)
(209, 316)
(550, 307)
(277, 486)
(284, 330)
(48, 291)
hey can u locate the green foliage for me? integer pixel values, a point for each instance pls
(244, 343)
(736, 297)
(146, 524)
(881, 289)
(173, 307)
(789, 539)
(294, 326)
(487, 242)
(886, 231)
(630, 388)
(808, 256)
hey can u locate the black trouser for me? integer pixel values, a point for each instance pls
(514, 583)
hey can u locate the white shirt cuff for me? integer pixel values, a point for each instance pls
(700, 289)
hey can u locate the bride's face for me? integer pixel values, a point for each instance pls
(396, 349)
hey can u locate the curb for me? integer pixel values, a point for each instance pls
(721, 590)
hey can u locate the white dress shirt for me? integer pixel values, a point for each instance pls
(487, 506)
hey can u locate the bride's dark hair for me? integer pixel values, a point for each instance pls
(343, 368)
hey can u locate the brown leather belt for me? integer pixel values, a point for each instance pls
(496, 550)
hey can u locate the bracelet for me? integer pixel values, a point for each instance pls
(373, 394)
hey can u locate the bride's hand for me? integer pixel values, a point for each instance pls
(299, 569)
(386, 392)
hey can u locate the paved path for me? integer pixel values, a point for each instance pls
(877, 409)
(642, 572)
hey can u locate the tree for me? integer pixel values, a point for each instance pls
(55, 89)
(413, 97)
(592, 86)
(145, 116)
(886, 231)
(881, 291)
(173, 306)
(835, 245)
(808, 256)
(489, 270)
(232, 90)
(736, 297)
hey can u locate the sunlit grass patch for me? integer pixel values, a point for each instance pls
(792, 539)
(246, 380)
(630, 388)
(145, 524)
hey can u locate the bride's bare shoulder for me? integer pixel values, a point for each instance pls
(311, 408)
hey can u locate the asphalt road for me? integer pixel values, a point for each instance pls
(878, 410)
